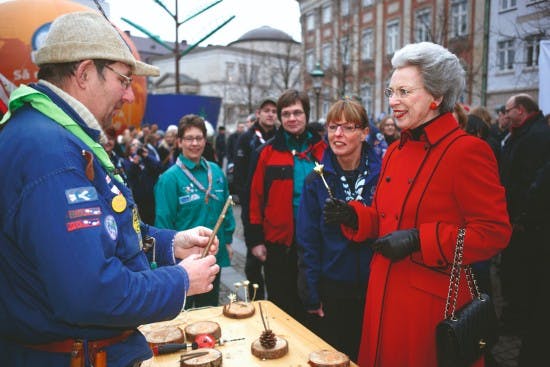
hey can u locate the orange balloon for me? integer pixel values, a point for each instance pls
(23, 25)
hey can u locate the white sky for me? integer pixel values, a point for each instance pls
(249, 14)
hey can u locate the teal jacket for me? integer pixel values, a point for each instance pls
(181, 205)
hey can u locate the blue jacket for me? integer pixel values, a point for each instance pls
(71, 266)
(326, 257)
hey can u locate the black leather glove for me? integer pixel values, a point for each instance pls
(398, 244)
(337, 211)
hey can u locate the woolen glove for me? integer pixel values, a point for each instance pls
(337, 211)
(398, 244)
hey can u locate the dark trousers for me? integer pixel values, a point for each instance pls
(535, 341)
(281, 273)
(343, 305)
(515, 273)
(253, 271)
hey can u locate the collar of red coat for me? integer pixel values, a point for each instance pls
(432, 131)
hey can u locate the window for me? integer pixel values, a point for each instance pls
(230, 71)
(366, 96)
(327, 14)
(505, 55)
(507, 4)
(367, 2)
(423, 25)
(254, 74)
(345, 50)
(392, 37)
(310, 60)
(367, 44)
(532, 48)
(327, 62)
(344, 7)
(242, 74)
(310, 21)
(459, 18)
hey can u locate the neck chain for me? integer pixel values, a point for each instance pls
(189, 175)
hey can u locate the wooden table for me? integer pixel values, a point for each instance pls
(301, 341)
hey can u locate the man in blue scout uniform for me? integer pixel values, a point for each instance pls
(76, 262)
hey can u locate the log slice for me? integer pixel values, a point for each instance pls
(238, 310)
(203, 327)
(279, 350)
(328, 358)
(162, 334)
(212, 359)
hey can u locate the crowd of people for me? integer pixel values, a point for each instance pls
(350, 225)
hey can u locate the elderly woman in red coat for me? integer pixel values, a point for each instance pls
(436, 180)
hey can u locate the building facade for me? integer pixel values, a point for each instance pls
(517, 27)
(263, 62)
(354, 41)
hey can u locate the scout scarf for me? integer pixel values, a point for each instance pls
(207, 191)
(42, 103)
(355, 192)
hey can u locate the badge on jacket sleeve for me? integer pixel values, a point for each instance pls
(111, 227)
(118, 203)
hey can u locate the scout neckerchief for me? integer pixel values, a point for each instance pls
(42, 103)
(193, 179)
(356, 192)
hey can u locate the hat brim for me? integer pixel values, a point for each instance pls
(143, 69)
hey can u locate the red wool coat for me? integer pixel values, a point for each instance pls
(444, 181)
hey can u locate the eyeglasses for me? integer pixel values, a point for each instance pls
(347, 128)
(399, 92)
(190, 139)
(295, 113)
(126, 81)
(507, 111)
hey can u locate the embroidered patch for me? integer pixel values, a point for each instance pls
(82, 223)
(111, 227)
(84, 212)
(135, 223)
(188, 198)
(81, 194)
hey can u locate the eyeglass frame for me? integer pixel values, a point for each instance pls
(126, 81)
(191, 139)
(347, 128)
(295, 113)
(402, 92)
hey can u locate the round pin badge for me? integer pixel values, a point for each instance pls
(118, 203)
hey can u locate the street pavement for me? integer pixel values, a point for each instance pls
(504, 354)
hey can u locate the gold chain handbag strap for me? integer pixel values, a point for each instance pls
(452, 295)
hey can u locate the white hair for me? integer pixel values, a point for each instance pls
(441, 70)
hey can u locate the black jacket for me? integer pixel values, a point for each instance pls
(525, 172)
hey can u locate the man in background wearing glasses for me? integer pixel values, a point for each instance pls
(525, 174)
(79, 271)
(281, 167)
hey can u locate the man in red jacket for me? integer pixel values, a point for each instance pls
(282, 165)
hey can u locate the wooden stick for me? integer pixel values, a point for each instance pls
(228, 202)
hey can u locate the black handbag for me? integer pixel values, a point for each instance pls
(464, 336)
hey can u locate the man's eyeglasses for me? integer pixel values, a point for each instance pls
(399, 92)
(126, 81)
(190, 139)
(347, 128)
(296, 113)
(507, 111)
